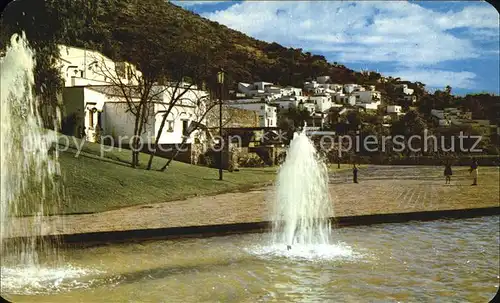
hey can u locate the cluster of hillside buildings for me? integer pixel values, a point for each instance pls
(454, 116)
(94, 104)
(319, 97)
(93, 101)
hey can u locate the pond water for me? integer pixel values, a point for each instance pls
(445, 260)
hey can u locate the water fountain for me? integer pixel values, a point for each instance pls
(302, 206)
(29, 180)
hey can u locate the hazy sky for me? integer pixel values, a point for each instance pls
(436, 42)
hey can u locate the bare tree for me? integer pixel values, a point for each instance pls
(202, 105)
(189, 69)
(206, 118)
(174, 94)
(139, 90)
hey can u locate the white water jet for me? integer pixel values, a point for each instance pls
(30, 183)
(302, 206)
(28, 169)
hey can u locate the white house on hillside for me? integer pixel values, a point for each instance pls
(393, 109)
(292, 91)
(261, 85)
(323, 79)
(452, 115)
(367, 97)
(81, 67)
(94, 105)
(322, 102)
(267, 90)
(267, 113)
(348, 88)
(403, 88)
(104, 108)
(344, 99)
(286, 102)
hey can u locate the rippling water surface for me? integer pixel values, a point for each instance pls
(438, 261)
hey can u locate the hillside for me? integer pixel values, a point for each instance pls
(166, 41)
(116, 27)
(245, 59)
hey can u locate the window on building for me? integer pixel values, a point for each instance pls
(262, 107)
(99, 119)
(185, 124)
(120, 69)
(91, 119)
(129, 72)
(170, 126)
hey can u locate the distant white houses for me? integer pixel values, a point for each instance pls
(368, 106)
(310, 107)
(323, 79)
(322, 102)
(267, 113)
(367, 97)
(349, 88)
(454, 116)
(287, 102)
(403, 88)
(394, 109)
(267, 90)
(322, 95)
(405, 93)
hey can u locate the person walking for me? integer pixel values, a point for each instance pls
(448, 172)
(473, 171)
(354, 173)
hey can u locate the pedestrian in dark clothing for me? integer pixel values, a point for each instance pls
(473, 171)
(355, 173)
(448, 172)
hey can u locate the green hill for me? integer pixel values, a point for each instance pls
(157, 36)
(118, 27)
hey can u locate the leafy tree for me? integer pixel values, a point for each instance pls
(354, 119)
(295, 117)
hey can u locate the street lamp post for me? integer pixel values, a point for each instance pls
(220, 81)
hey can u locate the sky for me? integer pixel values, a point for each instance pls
(438, 43)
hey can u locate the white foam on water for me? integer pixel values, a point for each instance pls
(308, 252)
(43, 280)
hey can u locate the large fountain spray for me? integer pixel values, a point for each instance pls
(29, 183)
(303, 206)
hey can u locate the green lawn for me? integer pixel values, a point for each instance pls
(94, 183)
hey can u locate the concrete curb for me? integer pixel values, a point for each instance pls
(99, 238)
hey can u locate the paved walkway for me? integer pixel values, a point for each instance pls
(381, 190)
